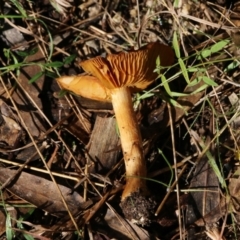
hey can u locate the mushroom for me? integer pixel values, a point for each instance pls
(116, 77)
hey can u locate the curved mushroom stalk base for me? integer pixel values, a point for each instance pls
(138, 208)
(135, 205)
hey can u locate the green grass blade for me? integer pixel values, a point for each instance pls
(20, 8)
(9, 231)
(213, 49)
(219, 45)
(232, 66)
(70, 58)
(203, 87)
(176, 45)
(209, 81)
(166, 85)
(35, 77)
(184, 70)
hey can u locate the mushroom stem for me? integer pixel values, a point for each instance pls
(131, 142)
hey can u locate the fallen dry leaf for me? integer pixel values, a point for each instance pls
(205, 197)
(10, 129)
(115, 226)
(2, 222)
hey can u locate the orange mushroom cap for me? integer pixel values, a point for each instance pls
(85, 86)
(134, 68)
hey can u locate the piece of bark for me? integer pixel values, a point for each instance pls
(104, 145)
(29, 113)
(43, 193)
